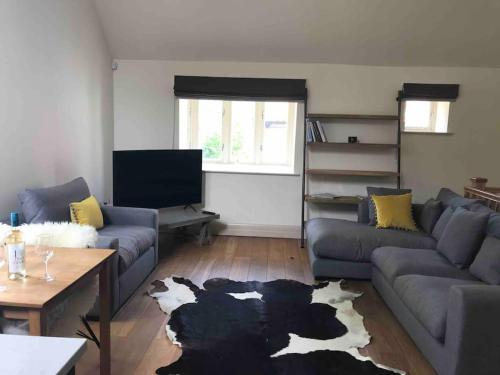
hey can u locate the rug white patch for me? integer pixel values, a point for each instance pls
(247, 295)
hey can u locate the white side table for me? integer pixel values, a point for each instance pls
(23, 355)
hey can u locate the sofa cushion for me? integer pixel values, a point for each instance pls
(451, 199)
(351, 241)
(462, 236)
(52, 203)
(380, 191)
(394, 211)
(443, 220)
(427, 298)
(429, 215)
(133, 241)
(493, 228)
(486, 266)
(393, 262)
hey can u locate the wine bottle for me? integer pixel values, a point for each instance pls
(15, 250)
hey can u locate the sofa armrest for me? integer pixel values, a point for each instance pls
(106, 242)
(473, 330)
(144, 217)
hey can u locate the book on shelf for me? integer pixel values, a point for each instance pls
(323, 196)
(321, 131)
(309, 133)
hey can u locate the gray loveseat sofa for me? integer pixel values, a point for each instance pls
(450, 309)
(132, 232)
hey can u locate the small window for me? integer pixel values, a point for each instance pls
(240, 136)
(426, 116)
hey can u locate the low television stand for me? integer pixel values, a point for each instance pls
(171, 218)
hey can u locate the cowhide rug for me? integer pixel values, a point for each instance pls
(260, 328)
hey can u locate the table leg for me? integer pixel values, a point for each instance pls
(37, 322)
(104, 318)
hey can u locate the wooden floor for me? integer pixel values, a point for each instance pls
(139, 342)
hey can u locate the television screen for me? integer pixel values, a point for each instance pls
(157, 178)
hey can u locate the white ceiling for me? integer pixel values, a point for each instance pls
(365, 32)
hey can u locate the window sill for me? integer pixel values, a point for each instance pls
(249, 169)
(425, 133)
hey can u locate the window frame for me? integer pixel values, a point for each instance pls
(225, 162)
(431, 128)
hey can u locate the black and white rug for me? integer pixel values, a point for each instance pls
(261, 328)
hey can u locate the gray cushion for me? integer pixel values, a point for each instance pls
(486, 266)
(351, 241)
(52, 203)
(372, 190)
(427, 298)
(133, 241)
(493, 228)
(443, 220)
(462, 236)
(451, 199)
(429, 215)
(393, 262)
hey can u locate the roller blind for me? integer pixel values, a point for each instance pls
(266, 89)
(428, 91)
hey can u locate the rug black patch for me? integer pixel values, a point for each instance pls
(220, 334)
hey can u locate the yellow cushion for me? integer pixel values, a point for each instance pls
(87, 212)
(394, 211)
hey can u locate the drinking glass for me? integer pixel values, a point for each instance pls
(3, 288)
(45, 250)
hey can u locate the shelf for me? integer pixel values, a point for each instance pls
(336, 200)
(341, 172)
(352, 117)
(354, 146)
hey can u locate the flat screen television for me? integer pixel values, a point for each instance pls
(157, 178)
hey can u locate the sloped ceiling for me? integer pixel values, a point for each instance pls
(364, 32)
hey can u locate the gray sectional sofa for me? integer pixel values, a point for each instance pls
(442, 283)
(132, 232)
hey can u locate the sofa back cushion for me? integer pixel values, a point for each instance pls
(462, 236)
(441, 223)
(380, 191)
(52, 203)
(451, 199)
(429, 215)
(494, 225)
(486, 266)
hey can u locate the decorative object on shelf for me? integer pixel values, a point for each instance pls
(260, 319)
(353, 140)
(479, 182)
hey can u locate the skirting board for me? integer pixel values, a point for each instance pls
(256, 230)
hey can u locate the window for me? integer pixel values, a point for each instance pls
(426, 116)
(240, 136)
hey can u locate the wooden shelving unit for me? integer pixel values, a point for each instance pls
(331, 120)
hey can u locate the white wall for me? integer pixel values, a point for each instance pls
(56, 97)
(144, 119)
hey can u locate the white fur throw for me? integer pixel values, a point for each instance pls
(63, 319)
(63, 234)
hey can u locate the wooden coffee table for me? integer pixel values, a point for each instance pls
(32, 297)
